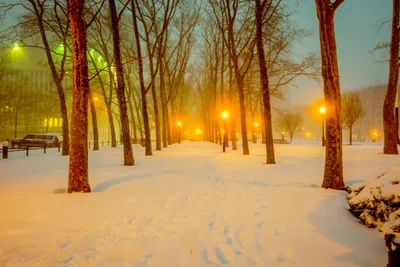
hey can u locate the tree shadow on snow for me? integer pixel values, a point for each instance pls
(368, 248)
(123, 179)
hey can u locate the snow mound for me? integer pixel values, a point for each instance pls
(377, 203)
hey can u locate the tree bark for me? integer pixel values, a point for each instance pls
(94, 123)
(131, 110)
(126, 137)
(233, 113)
(163, 106)
(269, 143)
(155, 103)
(78, 177)
(333, 173)
(148, 151)
(351, 135)
(389, 123)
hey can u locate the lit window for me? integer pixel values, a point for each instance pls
(55, 122)
(60, 122)
(51, 122)
(45, 122)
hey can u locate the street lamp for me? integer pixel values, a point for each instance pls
(179, 131)
(224, 117)
(256, 131)
(322, 110)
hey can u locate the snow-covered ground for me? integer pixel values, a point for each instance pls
(188, 205)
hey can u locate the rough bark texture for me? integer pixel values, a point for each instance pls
(94, 123)
(126, 137)
(269, 144)
(78, 177)
(148, 151)
(333, 173)
(389, 123)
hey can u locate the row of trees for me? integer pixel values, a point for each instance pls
(245, 58)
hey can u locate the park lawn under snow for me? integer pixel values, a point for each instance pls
(188, 205)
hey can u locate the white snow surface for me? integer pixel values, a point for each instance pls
(188, 205)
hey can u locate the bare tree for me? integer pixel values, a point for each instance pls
(235, 17)
(352, 111)
(389, 124)
(128, 152)
(333, 173)
(267, 120)
(289, 122)
(78, 176)
(46, 18)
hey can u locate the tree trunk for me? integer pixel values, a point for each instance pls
(94, 123)
(134, 128)
(131, 109)
(389, 123)
(333, 173)
(143, 92)
(269, 144)
(233, 113)
(155, 105)
(126, 137)
(351, 134)
(107, 102)
(262, 122)
(164, 111)
(57, 80)
(78, 177)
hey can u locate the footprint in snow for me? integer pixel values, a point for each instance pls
(279, 231)
(129, 220)
(284, 255)
(220, 255)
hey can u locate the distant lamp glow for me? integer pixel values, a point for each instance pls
(179, 123)
(223, 131)
(187, 132)
(283, 133)
(224, 115)
(322, 109)
(96, 98)
(256, 124)
(16, 46)
(375, 134)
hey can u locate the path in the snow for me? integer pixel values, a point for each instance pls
(186, 206)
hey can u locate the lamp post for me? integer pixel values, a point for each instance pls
(256, 131)
(179, 131)
(224, 117)
(322, 110)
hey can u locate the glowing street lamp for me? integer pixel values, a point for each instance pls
(256, 132)
(224, 117)
(95, 98)
(179, 131)
(322, 110)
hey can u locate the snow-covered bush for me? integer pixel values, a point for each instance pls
(377, 203)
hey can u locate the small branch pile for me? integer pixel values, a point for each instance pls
(377, 203)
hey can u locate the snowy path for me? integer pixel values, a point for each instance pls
(189, 205)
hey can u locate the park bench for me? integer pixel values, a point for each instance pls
(280, 141)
